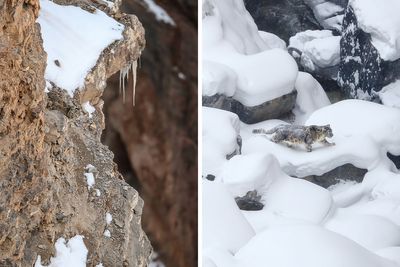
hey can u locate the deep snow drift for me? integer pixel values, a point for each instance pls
(301, 223)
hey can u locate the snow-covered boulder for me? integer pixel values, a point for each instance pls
(220, 138)
(301, 246)
(317, 52)
(370, 231)
(224, 225)
(282, 195)
(390, 95)
(260, 77)
(310, 97)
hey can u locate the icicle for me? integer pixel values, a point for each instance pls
(124, 74)
(134, 76)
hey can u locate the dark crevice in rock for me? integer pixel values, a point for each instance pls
(395, 159)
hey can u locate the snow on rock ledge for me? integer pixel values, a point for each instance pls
(380, 19)
(74, 39)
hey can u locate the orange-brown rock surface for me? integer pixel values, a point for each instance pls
(46, 141)
(156, 141)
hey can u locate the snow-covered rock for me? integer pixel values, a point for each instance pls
(301, 246)
(261, 70)
(381, 21)
(310, 97)
(317, 52)
(370, 54)
(218, 79)
(272, 40)
(282, 195)
(220, 133)
(224, 225)
(370, 231)
(390, 95)
(74, 45)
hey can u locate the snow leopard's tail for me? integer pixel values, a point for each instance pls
(263, 131)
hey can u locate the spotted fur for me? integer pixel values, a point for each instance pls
(291, 135)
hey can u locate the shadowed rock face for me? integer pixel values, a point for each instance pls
(284, 18)
(273, 109)
(345, 172)
(160, 133)
(362, 72)
(46, 140)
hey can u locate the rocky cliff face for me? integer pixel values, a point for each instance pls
(156, 141)
(46, 145)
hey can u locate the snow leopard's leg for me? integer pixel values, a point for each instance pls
(308, 142)
(325, 142)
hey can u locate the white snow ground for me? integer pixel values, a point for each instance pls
(73, 40)
(301, 224)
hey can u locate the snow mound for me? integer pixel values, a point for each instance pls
(229, 21)
(244, 173)
(218, 79)
(73, 40)
(390, 95)
(284, 196)
(220, 131)
(370, 231)
(230, 231)
(324, 52)
(382, 21)
(358, 118)
(318, 48)
(308, 246)
(310, 97)
(272, 40)
(71, 253)
(231, 38)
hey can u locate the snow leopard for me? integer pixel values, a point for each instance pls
(297, 134)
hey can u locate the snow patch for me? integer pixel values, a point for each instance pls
(71, 253)
(74, 45)
(88, 108)
(159, 12)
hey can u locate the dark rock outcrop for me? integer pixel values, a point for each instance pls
(250, 201)
(158, 137)
(345, 172)
(284, 18)
(362, 72)
(272, 109)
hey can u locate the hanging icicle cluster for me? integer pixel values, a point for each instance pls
(124, 74)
